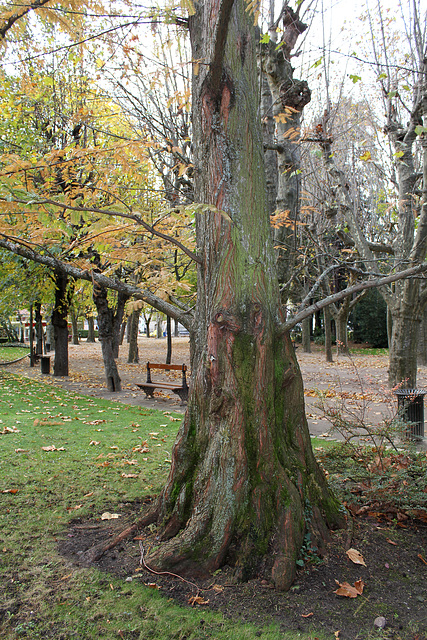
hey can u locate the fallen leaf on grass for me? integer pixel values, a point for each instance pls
(197, 600)
(307, 615)
(21, 451)
(94, 442)
(9, 430)
(52, 447)
(356, 557)
(345, 589)
(110, 516)
(152, 585)
(141, 448)
(129, 475)
(10, 490)
(75, 508)
(421, 558)
(391, 542)
(87, 495)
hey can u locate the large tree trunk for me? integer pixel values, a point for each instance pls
(244, 486)
(106, 337)
(60, 325)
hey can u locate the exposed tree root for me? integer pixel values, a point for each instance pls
(96, 552)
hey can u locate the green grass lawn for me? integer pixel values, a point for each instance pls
(8, 354)
(63, 457)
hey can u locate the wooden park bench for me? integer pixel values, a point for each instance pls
(180, 389)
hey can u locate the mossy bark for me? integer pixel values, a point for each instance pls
(244, 485)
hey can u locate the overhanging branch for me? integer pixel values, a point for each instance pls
(24, 251)
(337, 297)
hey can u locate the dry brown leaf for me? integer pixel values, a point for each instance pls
(345, 589)
(9, 430)
(421, 558)
(197, 600)
(391, 542)
(94, 442)
(307, 615)
(356, 557)
(110, 516)
(52, 447)
(129, 475)
(10, 491)
(217, 588)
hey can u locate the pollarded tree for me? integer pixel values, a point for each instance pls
(243, 484)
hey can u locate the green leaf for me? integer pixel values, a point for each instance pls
(265, 38)
(419, 130)
(398, 154)
(355, 79)
(382, 76)
(392, 94)
(317, 63)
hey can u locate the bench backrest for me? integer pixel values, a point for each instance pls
(167, 367)
(172, 367)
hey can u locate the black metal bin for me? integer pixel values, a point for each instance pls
(410, 404)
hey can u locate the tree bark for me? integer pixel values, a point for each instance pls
(327, 319)
(133, 355)
(74, 328)
(244, 486)
(422, 340)
(306, 335)
(91, 329)
(106, 337)
(39, 327)
(168, 340)
(60, 324)
(117, 320)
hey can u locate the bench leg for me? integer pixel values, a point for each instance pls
(182, 393)
(149, 391)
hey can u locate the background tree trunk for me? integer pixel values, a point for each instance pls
(306, 334)
(74, 327)
(244, 485)
(106, 337)
(169, 340)
(133, 355)
(39, 327)
(91, 329)
(327, 318)
(60, 324)
(117, 320)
